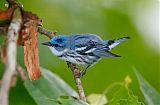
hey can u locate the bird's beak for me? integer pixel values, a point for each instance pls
(47, 43)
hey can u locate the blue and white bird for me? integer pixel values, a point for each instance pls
(82, 49)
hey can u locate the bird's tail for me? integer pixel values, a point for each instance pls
(112, 43)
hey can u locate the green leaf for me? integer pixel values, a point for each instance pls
(50, 87)
(97, 99)
(124, 96)
(131, 100)
(152, 97)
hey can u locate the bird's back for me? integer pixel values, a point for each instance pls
(82, 40)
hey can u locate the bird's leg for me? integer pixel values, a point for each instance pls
(74, 69)
(83, 72)
(68, 63)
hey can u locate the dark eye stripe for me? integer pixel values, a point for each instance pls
(54, 45)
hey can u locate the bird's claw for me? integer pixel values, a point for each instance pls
(82, 73)
(68, 63)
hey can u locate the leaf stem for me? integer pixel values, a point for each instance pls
(111, 86)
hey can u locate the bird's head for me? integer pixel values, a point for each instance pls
(58, 44)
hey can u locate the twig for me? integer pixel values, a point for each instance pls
(22, 73)
(46, 32)
(41, 30)
(11, 56)
(76, 73)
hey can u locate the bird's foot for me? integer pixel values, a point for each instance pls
(82, 72)
(68, 63)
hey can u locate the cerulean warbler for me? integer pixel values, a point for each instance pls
(82, 49)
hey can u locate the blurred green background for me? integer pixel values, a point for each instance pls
(109, 19)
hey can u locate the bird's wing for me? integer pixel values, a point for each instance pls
(104, 52)
(85, 43)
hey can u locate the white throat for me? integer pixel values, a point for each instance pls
(57, 53)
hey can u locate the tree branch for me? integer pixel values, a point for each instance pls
(41, 30)
(46, 32)
(76, 73)
(22, 73)
(10, 68)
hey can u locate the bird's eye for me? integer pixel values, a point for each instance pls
(56, 45)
